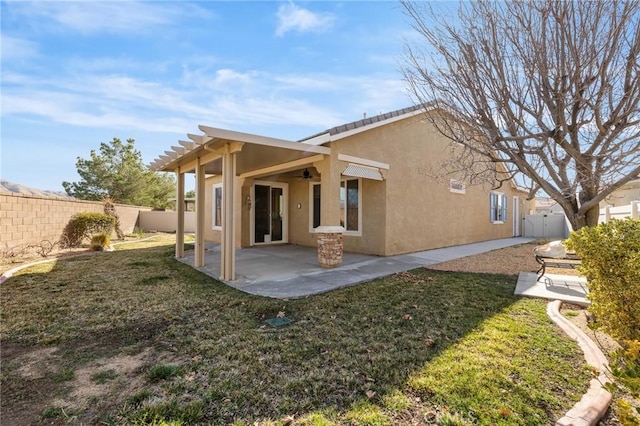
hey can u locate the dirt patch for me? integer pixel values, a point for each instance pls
(10, 262)
(104, 379)
(37, 364)
(579, 316)
(27, 382)
(44, 378)
(508, 261)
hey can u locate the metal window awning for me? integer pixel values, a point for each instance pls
(366, 172)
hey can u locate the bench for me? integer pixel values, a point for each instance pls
(554, 255)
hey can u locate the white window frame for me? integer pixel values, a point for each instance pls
(499, 210)
(456, 182)
(214, 206)
(312, 206)
(358, 232)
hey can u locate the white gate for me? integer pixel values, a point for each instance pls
(545, 226)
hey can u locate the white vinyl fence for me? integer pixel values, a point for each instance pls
(630, 210)
(166, 221)
(545, 226)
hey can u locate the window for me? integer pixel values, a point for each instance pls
(315, 205)
(457, 186)
(498, 207)
(217, 206)
(350, 200)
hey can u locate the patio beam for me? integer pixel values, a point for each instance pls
(363, 161)
(230, 135)
(197, 139)
(204, 159)
(284, 167)
(188, 145)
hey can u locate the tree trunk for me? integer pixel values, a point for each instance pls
(592, 216)
(589, 218)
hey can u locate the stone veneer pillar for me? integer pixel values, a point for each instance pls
(330, 246)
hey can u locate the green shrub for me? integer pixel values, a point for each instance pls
(100, 241)
(82, 226)
(610, 255)
(625, 368)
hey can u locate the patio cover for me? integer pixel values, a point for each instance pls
(230, 154)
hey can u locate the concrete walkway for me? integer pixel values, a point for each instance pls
(566, 288)
(289, 271)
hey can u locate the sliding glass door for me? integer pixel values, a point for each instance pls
(270, 213)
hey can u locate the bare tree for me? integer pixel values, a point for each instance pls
(551, 90)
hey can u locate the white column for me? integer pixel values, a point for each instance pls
(607, 214)
(228, 249)
(180, 214)
(634, 209)
(200, 203)
(329, 191)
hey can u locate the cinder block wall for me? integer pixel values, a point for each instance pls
(30, 219)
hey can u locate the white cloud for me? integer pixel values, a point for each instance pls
(228, 77)
(294, 104)
(308, 82)
(295, 18)
(91, 17)
(16, 48)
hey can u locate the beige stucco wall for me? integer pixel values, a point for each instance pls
(373, 210)
(374, 213)
(241, 209)
(624, 195)
(299, 232)
(409, 211)
(30, 219)
(419, 211)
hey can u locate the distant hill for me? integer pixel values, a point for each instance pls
(7, 186)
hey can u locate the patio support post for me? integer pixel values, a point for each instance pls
(228, 249)
(180, 214)
(200, 202)
(329, 234)
(330, 191)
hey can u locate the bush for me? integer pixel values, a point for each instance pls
(82, 226)
(610, 255)
(625, 367)
(100, 241)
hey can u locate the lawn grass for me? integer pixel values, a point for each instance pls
(163, 342)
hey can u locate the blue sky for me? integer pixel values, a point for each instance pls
(75, 74)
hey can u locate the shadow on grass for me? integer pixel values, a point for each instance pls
(341, 347)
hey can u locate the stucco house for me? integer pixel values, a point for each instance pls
(624, 195)
(360, 187)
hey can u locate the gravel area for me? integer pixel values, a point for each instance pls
(509, 261)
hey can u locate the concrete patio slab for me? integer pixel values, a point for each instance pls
(289, 271)
(566, 288)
